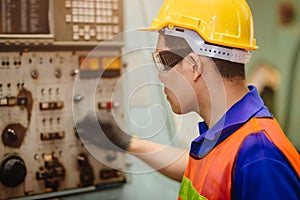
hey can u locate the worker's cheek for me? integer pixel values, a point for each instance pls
(178, 90)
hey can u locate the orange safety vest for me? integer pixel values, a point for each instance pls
(211, 177)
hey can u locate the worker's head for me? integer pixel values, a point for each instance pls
(201, 37)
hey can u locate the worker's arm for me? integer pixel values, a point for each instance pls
(102, 130)
(168, 160)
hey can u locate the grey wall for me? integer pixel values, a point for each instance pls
(280, 49)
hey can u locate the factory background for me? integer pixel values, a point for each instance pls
(139, 100)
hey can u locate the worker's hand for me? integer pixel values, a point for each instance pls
(103, 131)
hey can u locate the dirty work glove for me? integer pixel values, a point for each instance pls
(101, 130)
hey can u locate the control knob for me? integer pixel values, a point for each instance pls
(12, 171)
(13, 135)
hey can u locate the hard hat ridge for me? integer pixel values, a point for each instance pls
(221, 22)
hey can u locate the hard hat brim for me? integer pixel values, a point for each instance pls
(149, 29)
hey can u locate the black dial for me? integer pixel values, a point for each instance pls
(13, 135)
(12, 171)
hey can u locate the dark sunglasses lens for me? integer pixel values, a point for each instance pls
(169, 58)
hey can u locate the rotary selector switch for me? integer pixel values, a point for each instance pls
(12, 171)
(13, 135)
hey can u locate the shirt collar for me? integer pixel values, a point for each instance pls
(251, 105)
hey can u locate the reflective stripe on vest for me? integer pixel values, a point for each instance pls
(211, 176)
(187, 191)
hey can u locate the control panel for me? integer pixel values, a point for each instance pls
(59, 60)
(60, 22)
(40, 151)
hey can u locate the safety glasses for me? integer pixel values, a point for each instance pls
(167, 59)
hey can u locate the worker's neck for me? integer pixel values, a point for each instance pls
(234, 91)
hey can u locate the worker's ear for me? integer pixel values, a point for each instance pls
(197, 66)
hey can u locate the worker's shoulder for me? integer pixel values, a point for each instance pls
(256, 148)
(260, 168)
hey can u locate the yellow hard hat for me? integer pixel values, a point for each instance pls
(222, 22)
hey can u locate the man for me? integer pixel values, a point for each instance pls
(241, 152)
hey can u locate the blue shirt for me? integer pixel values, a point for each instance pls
(262, 171)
